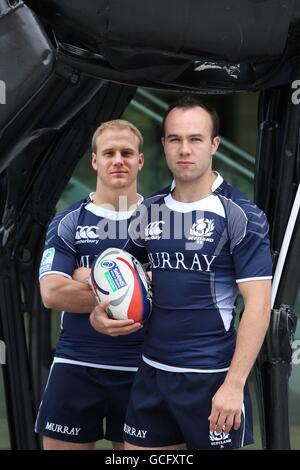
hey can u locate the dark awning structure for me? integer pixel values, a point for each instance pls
(66, 66)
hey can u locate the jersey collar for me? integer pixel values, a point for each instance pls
(107, 213)
(179, 206)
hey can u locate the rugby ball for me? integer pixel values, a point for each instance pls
(119, 277)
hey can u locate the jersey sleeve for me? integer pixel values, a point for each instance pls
(59, 255)
(251, 247)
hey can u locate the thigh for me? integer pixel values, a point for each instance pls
(149, 423)
(190, 401)
(73, 405)
(169, 448)
(56, 444)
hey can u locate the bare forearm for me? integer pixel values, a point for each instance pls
(68, 295)
(228, 401)
(250, 337)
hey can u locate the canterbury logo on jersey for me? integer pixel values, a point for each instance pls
(153, 230)
(87, 233)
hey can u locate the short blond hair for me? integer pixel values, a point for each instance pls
(120, 124)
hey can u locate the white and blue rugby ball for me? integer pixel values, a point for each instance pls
(119, 277)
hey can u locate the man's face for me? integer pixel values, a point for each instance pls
(117, 160)
(188, 143)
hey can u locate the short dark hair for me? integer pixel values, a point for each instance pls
(192, 101)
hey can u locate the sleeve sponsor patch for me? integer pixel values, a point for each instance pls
(47, 260)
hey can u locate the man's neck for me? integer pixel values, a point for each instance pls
(191, 191)
(116, 199)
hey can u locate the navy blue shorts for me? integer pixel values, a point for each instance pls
(168, 408)
(78, 398)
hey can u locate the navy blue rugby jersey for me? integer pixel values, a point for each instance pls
(74, 239)
(199, 253)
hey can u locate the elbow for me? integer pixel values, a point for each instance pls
(53, 291)
(48, 301)
(49, 298)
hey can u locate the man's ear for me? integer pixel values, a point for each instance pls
(141, 161)
(94, 161)
(215, 144)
